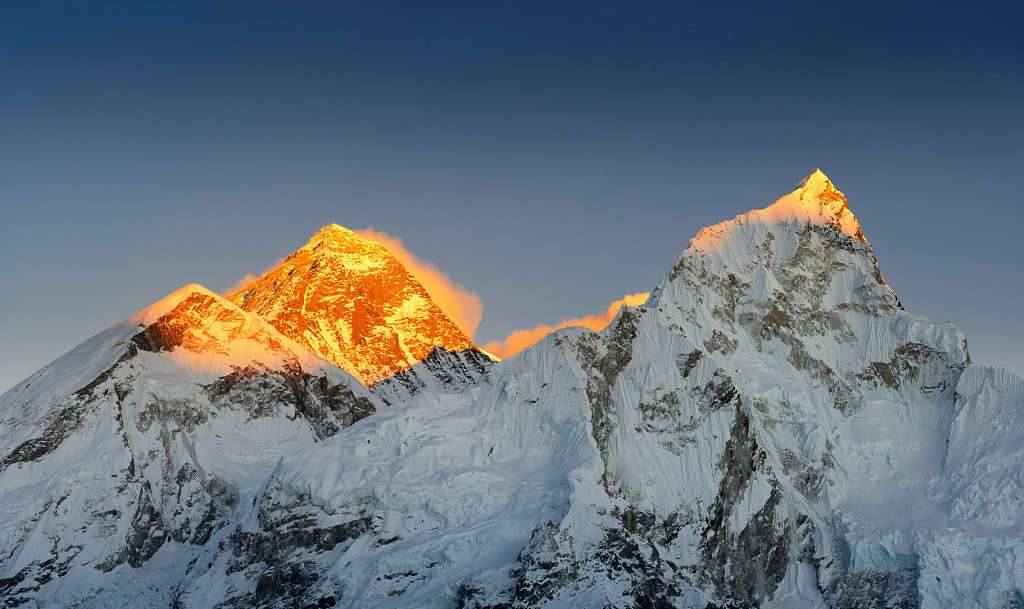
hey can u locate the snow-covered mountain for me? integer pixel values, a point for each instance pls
(138, 445)
(770, 429)
(146, 439)
(349, 300)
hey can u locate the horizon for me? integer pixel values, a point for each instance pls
(550, 158)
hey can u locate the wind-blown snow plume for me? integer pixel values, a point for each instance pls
(521, 339)
(249, 278)
(458, 303)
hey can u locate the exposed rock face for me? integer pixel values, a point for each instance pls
(350, 301)
(191, 403)
(442, 371)
(278, 558)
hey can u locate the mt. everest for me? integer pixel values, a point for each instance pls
(770, 429)
(349, 300)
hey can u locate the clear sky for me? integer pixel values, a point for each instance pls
(552, 157)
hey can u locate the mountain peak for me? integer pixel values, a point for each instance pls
(349, 300)
(820, 198)
(160, 308)
(337, 238)
(814, 201)
(333, 232)
(814, 181)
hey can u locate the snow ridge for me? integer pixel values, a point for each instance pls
(442, 371)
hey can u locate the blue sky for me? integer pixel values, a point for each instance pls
(551, 157)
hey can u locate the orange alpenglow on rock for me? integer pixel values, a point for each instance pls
(350, 301)
(818, 189)
(460, 305)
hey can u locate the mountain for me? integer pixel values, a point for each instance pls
(136, 448)
(143, 442)
(349, 300)
(770, 429)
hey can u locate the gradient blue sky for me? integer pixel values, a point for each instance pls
(549, 156)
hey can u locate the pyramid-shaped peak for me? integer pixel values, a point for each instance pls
(815, 200)
(819, 196)
(817, 187)
(815, 181)
(337, 237)
(334, 230)
(348, 299)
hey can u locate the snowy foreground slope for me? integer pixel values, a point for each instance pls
(770, 429)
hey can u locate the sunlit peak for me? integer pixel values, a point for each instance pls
(820, 197)
(333, 233)
(817, 187)
(154, 311)
(336, 239)
(815, 200)
(815, 181)
(333, 229)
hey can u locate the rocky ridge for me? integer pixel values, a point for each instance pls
(442, 371)
(187, 407)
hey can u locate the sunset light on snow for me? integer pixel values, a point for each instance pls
(458, 303)
(547, 158)
(601, 334)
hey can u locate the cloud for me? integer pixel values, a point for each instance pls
(520, 339)
(246, 281)
(459, 304)
(240, 285)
